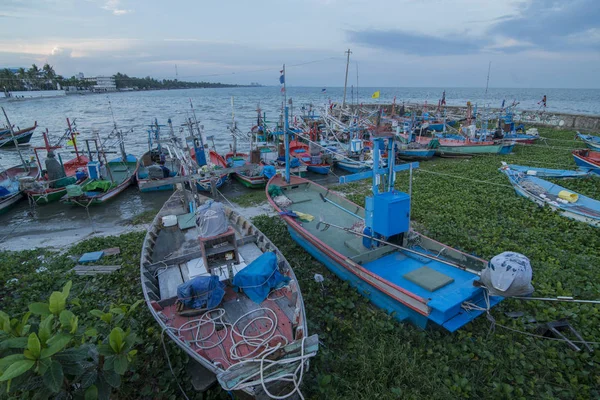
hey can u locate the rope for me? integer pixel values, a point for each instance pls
(253, 342)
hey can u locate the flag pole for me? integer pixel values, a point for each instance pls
(287, 146)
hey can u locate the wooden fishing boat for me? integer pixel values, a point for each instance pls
(253, 179)
(151, 168)
(22, 136)
(549, 172)
(591, 141)
(52, 186)
(459, 148)
(217, 162)
(100, 188)
(313, 163)
(588, 159)
(10, 191)
(249, 346)
(566, 202)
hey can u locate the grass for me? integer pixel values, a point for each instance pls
(366, 354)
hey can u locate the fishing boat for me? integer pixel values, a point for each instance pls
(591, 141)
(219, 298)
(52, 185)
(411, 276)
(588, 159)
(216, 163)
(312, 160)
(106, 178)
(568, 203)
(10, 190)
(462, 148)
(22, 136)
(549, 172)
(161, 161)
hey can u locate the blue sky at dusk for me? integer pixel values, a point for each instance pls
(531, 43)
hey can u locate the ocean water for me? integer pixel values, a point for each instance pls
(134, 111)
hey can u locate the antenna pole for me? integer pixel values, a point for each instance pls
(12, 134)
(346, 80)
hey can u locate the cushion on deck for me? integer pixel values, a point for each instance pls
(429, 279)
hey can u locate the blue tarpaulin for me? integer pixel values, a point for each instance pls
(260, 277)
(269, 171)
(201, 292)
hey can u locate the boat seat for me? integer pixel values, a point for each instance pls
(168, 281)
(429, 279)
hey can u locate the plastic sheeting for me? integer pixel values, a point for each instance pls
(211, 219)
(508, 274)
(201, 292)
(269, 171)
(260, 277)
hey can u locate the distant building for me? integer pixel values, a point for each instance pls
(80, 75)
(103, 83)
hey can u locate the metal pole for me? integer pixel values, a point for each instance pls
(287, 146)
(346, 80)
(12, 134)
(73, 139)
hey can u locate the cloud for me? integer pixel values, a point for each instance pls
(414, 43)
(114, 7)
(543, 25)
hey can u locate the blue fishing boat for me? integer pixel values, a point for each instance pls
(159, 163)
(352, 166)
(591, 141)
(549, 172)
(588, 159)
(407, 153)
(568, 203)
(409, 275)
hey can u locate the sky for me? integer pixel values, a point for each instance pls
(394, 43)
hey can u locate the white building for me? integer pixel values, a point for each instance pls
(103, 83)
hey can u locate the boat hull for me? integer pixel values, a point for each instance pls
(585, 159)
(9, 201)
(322, 169)
(252, 182)
(351, 167)
(468, 150)
(416, 154)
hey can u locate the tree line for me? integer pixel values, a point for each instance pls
(46, 78)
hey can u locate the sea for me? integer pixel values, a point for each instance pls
(134, 111)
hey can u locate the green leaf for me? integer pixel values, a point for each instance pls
(65, 318)
(16, 369)
(24, 320)
(39, 308)
(74, 324)
(116, 339)
(112, 378)
(67, 289)
(117, 310)
(72, 355)
(107, 317)
(14, 343)
(97, 313)
(44, 364)
(135, 305)
(73, 369)
(4, 317)
(75, 302)
(91, 393)
(57, 303)
(8, 360)
(121, 363)
(89, 377)
(45, 329)
(54, 376)
(34, 345)
(91, 332)
(105, 350)
(55, 344)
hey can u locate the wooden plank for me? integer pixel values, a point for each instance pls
(112, 251)
(95, 269)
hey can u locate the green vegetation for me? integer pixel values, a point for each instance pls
(366, 354)
(254, 197)
(124, 81)
(145, 217)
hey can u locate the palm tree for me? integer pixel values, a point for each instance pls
(33, 75)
